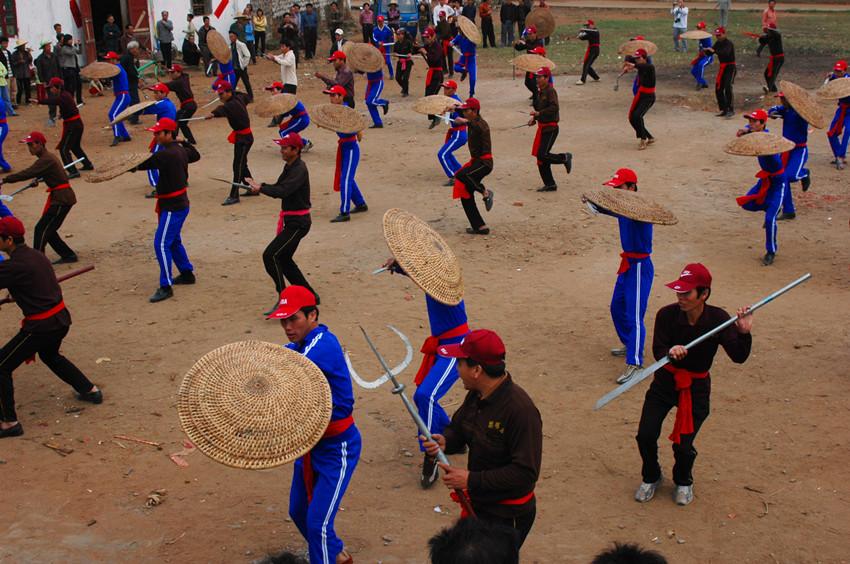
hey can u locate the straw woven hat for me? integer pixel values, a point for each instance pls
(835, 89)
(424, 256)
(530, 62)
(116, 167)
(219, 47)
(99, 71)
(434, 104)
(758, 144)
(348, 46)
(804, 103)
(695, 34)
(337, 117)
(630, 204)
(254, 405)
(629, 47)
(275, 105)
(130, 110)
(542, 19)
(469, 29)
(365, 58)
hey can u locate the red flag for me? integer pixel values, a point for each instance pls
(75, 11)
(220, 9)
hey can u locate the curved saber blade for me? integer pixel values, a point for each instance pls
(372, 384)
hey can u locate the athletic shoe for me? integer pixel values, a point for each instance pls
(187, 277)
(488, 200)
(229, 201)
(785, 216)
(376, 126)
(115, 141)
(66, 260)
(646, 492)
(620, 351)
(449, 182)
(341, 218)
(15, 431)
(568, 163)
(430, 471)
(650, 141)
(642, 145)
(579, 83)
(386, 108)
(162, 293)
(307, 147)
(841, 164)
(806, 182)
(482, 231)
(51, 122)
(551, 188)
(95, 397)
(88, 167)
(151, 195)
(768, 259)
(360, 209)
(684, 495)
(721, 114)
(434, 122)
(631, 370)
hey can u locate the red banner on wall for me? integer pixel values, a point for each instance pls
(219, 9)
(78, 15)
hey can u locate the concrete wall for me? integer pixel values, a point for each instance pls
(36, 19)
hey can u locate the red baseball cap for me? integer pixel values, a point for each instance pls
(428, 32)
(290, 140)
(638, 37)
(222, 86)
(335, 89)
(622, 176)
(471, 104)
(275, 86)
(292, 299)
(112, 55)
(380, 19)
(694, 275)
(720, 31)
(450, 84)
(56, 82)
(758, 115)
(176, 68)
(11, 226)
(589, 22)
(337, 56)
(159, 87)
(482, 345)
(538, 51)
(165, 124)
(543, 71)
(531, 29)
(840, 66)
(35, 137)
(701, 25)
(641, 53)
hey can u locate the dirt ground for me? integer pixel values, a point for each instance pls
(772, 476)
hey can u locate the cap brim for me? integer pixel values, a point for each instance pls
(679, 286)
(451, 351)
(283, 312)
(614, 183)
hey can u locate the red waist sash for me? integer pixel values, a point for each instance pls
(338, 171)
(624, 260)
(232, 137)
(168, 196)
(429, 350)
(839, 123)
(684, 424)
(120, 92)
(540, 125)
(183, 103)
(764, 185)
(770, 62)
(65, 123)
(46, 314)
(335, 428)
(720, 72)
(464, 513)
(453, 130)
(459, 190)
(430, 74)
(640, 90)
(284, 214)
(587, 51)
(49, 191)
(72, 118)
(4, 120)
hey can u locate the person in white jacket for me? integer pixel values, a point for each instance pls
(680, 24)
(288, 67)
(241, 58)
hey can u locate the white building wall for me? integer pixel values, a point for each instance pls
(36, 19)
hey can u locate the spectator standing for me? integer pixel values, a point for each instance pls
(21, 61)
(680, 24)
(250, 39)
(68, 62)
(111, 35)
(260, 25)
(6, 59)
(289, 34)
(507, 16)
(165, 37)
(128, 36)
(442, 8)
(128, 62)
(469, 9)
(238, 27)
(47, 67)
(4, 91)
(207, 58)
(240, 56)
(310, 30)
(393, 17)
(424, 17)
(367, 22)
(337, 43)
(522, 9)
(288, 67)
(768, 17)
(488, 32)
(723, 7)
(334, 19)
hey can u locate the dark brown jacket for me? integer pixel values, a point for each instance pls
(30, 279)
(49, 169)
(479, 138)
(547, 105)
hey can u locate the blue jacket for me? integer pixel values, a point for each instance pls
(120, 83)
(165, 108)
(380, 36)
(442, 318)
(794, 127)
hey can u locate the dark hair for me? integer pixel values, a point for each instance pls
(206, 18)
(287, 42)
(628, 554)
(57, 24)
(491, 370)
(473, 541)
(701, 289)
(283, 558)
(4, 38)
(630, 184)
(66, 37)
(309, 309)
(18, 240)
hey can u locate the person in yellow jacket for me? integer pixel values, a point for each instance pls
(260, 24)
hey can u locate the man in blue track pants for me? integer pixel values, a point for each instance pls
(794, 128)
(383, 38)
(172, 205)
(295, 120)
(455, 138)
(702, 60)
(839, 130)
(347, 159)
(436, 374)
(769, 191)
(467, 64)
(163, 108)
(634, 280)
(4, 131)
(225, 72)
(121, 90)
(321, 477)
(374, 88)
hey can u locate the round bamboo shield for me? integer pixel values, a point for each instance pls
(338, 118)
(425, 257)
(116, 167)
(758, 144)
(629, 47)
(219, 47)
(696, 34)
(469, 29)
(835, 89)
(365, 58)
(434, 104)
(99, 71)
(130, 110)
(530, 62)
(631, 205)
(348, 46)
(542, 19)
(804, 103)
(275, 105)
(254, 405)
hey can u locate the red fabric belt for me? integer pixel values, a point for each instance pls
(429, 350)
(283, 214)
(49, 191)
(764, 185)
(640, 90)
(72, 118)
(536, 145)
(338, 171)
(453, 130)
(232, 137)
(770, 62)
(624, 260)
(65, 123)
(186, 101)
(168, 196)
(459, 190)
(430, 74)
(46, 314)
(374, 80)
(120, 92)
(335, 428)
(464, 513)
(4, 120)
(720, 72)
(684, 424)
(836, 129)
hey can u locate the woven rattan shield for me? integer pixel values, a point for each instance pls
(434, 104)
(531, 62)
(804, 103)
(542, 19)
(629, 47)
(130, 110)
(254, 405)
(99, 71)
(835, 89)
(758, 144)
(275, 105)
(219, 47)
(632, 205)
(469, 29)
(695, 34)
(365, 58)
(116, 167)
(337, 117)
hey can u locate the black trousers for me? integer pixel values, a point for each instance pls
(311, 35)
(660, 398)
(290, 89)
(207, 58)
(531, 84)
(72, 137)
(403, 76)
(70, 78)
(278, 260)
(434, 86)
(243, 75)
(488, 32)
(367, 32)
(587, 67)
(471, 177)
(644, 102)
(166, 54)
(240, 165)
(546, 158)
(185, 113)
(46, 231)
(521, 523)
(723, 92)
(24, 90)
(770, 75)
(23, 346)
(133, 91)
(261, 42)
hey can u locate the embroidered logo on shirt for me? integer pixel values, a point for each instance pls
(496, 426)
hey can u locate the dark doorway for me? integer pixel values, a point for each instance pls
(100, 10)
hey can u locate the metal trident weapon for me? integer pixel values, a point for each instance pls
(33, 183)
(372, 384)
(646, 372)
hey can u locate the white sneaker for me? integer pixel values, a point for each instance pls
(580, 82)
(646, 492)
(684, 495)
(631, 370)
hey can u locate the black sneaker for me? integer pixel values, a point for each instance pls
(115, 141)
(15, 431)
(162, 293)
(768, 258)
(430, 472)
(184, 278)
(72, 174)
(376, 126)
(482, 231)
(786, 216)
(434, 122)
(463, 76)
(360, 209)
(449, 182)
(386, 108)
(95, 397)
(552, 188)
(568, 164)
(488, 200)
(806, 182)
(229, 201)
(89, 166)
(151, 195)
(66, 260)
(341, 218)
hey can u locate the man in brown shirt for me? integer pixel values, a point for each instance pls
(546, 115)
(468, 178)
(344, 77)
(502, 428)
(60, 196)
(233, 107)
(32, 283)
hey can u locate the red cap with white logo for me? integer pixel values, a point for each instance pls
(292, 299)
(482, 345)
(622, 176)
(694, 275)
